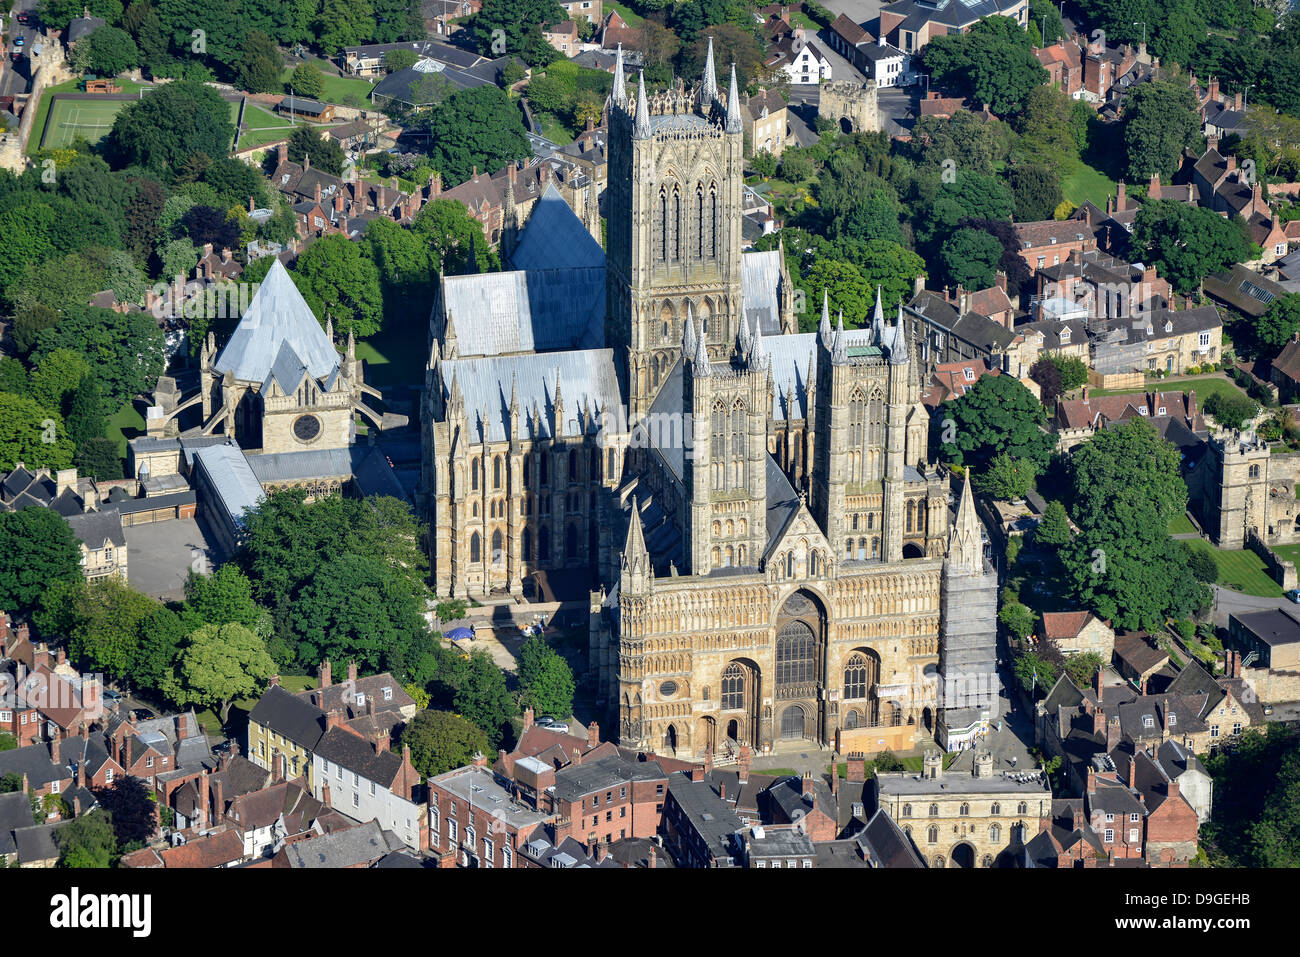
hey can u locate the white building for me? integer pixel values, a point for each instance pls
(368, 782)
(808, 66)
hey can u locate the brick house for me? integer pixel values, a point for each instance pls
(474, 820)
(1076, 632)
(1064, 65)
(1050, 242)
(604, 800)
(911, 24)
(1175, 415)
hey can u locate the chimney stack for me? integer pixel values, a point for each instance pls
(283, 151)
(806, 784)
(218, 801)
(323, 674)
(743, 762)
(593, 734)
(479, 760)
(352, 671)
(274, 682)
(528, 718)
(856, 771)
(277, 765)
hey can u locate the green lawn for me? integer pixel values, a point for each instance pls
(553, 129)
(633, 19)
(1205, 386)
(1241, 570)
(125, 423)
(1181, 524)
(1087, 183)
(67, 86)
(1290, 553)
(350, 91)
(395, 356)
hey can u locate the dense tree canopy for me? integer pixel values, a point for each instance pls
(997, 414)
(1161, 120)
(1188, 243)
(36, 547)
(440, 741)
(476, 128)
(993, 61)
(170, 125)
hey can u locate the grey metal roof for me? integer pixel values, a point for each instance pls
(480, 787)
(292, 466)
(793, 358)
(277, 315)
(286, 371)
(678, 122)
(534, 311)
(782, 503)
(357, 845)
(555, 238)
(667, 427)
(586, 380)
(231, 477)
(760, 280)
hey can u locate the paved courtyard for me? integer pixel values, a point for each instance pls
(160, 556)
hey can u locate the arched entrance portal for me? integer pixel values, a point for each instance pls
(912, 550)
(741, 688)
(792, 723)
(800, 651)
(670, 740)
(846, 126)
(963, 855)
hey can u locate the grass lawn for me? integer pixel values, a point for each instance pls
(70, 86)
(125, 423)
(1241, 570)
(1290, 553)
(778, 772)
(911, 762)
(633, 19)
(338, 89)
(1084, 183)
(1204, 385)
(553, 129)
(394, 356)
(1181, 524)
(211, 718)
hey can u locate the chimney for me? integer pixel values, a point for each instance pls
(352, 671)
(697, 773)
(708, 760)
(1172, 789)
(806, 784)
(1211, 143)
(435, 185)
(315, 195)
(593, 734)
(338, 201)
(1000, 280)
(81, 774)
(742, 763)
(722, 790)
(274, 682)
(225, 254)
(202, 784)
(283, 151)
(528, 718)
(218, 801)
(370, 704)
(476, 174)
(251, 205)
(1113, 735)
(1092, 780)
(323, 674)
(1121, 199)
(277, 766)
(650, 863)
(325, 794)
(1237, 103)
(856, 772)
(60, 656)
(479, 760)
(306, 162)
(1096, 684)
(381, 197)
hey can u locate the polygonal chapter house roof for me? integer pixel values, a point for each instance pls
(277, 316)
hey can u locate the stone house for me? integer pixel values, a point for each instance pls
(1078, 632)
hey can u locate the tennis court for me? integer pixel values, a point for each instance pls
(73, 118)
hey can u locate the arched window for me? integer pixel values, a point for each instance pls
(733, 688)
(527, 543)
(609, 468)
(699, 199)
(542, 459)
(907, 810)
(544, 544)
(498, 552)
(796, 654)
(965, 810)
(852, 719)
(932, 835)
(573, 465)
(855, 677)
(857, 435)
(855, 521)
(1022, 808)
(876, 423)
(713, 221)
(996, 809)
(663, 225)
(473, 475)
(475, 548)
(737, 447)
(934, 810)
(995, 833)
(718, 445)
(496, 472)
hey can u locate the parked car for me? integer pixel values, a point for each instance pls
(143, 714)
(1294, 595)
(19, 40)
(112, 695)
(550, 724)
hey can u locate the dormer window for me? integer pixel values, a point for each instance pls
(970, 374)
(388, 693)
(1142, 411)
(1148, 721)
(361, 700)
(1173, 719)
(1065, 334)
(1160, 411)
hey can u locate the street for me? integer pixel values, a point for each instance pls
(15, 76)
(1228, 602)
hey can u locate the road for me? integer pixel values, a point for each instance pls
(15, 76)
(1228, 602)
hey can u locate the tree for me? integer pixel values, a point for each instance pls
(969, 258)
(440, 741)
(13, 376)
(1161, 119)
(1054, 527)
(848, 290)
(993, 61)
(262, 64)
(87, 841)
(1048, 378)
(32, 434)
(8, 743)
(1018, 619)
(36, 547)
(171, 124)
(1279, 323)
(110, 51)
(1045, 14)
(340, 281)
(481, 696)
(219, 664)
(997, 414)
(1035, 673)
(131, 807)
(162, 634)
(1188, 243)
(224, 597)
(659, 47)
(1127, 487)
(58, 375)
(125, 349)
(546, 679)
(11, 782)
(513, 28)
(1037, 190)
(1083, 667)
(104, 617)
(1006, 477)
(326, 154)
(731, 44)
(400, 59)
(208, 225)
(355, 609)
(1231, 411)
(342, 23)
(306, 80)
(405, 265)
(1072, 370)
(456, 241)
(475, 128)
(1201, 563)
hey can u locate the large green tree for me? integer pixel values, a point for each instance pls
(513, 28)
(36, 547)
(126, 350)
(546, 679)
(969, 258)
(1188, 243)
(478, 128)
(104, 617)
(482, 697)
(455, 240)
(993, 61)
(224, 597)
(325, 152)
(996, 415)
(440, 741)
(1279, 323)
(32, 434)
(171, 124)
(339, 280)
(87, 841)
(1161, 119)
(219, 664)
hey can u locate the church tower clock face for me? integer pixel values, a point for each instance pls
(306, 428)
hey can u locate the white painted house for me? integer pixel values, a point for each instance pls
(807, 66)
(368, 782)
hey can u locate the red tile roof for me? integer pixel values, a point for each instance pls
(214, 851)
(1064, 624)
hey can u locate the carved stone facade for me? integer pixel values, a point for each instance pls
(851, 105)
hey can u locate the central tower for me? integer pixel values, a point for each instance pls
(674, 226)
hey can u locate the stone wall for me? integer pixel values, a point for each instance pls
(1273, 687)
(1283, 572)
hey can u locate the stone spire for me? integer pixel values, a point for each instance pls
(351, 353)
(965, 549)
(329, 329)
(701, 365)
(757, 352)
(710, 79)
(745, 338)
(878, 321)
(514, 397)
(636, 557)
(619, 95)
(734, 124)
(840, 345)
(457, 399)
(824, 328)
(641, 128)
(688, 336)
(900, 351)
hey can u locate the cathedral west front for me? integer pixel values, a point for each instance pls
(770, 554)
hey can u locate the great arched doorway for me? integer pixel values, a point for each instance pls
(708, 737)
(792, 723)
(741, 692)
(733, 730)
(912, 550)
(846, 126)
(963, 855)
(670, 739)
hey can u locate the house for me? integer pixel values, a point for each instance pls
(584, 11)
(885, 64)
(218, 265)
(285, 726)
(430, 79)
(1268, 639)
(475, 819)
(1138, 660)
(103, 544)
(81, 27)
(41, 774)
(1224, 188)
(15, 814)
(699, 828)
(35, 845)
(1244, 290)
(951, 328)
(911, 24)
(603, 800)
(1078, 632)
(952, 380)
(805, 801)
(1164, 339)
(762, 847)
(441, 16)
(368, 782)
(368, 59)
(361, 846)
(616, 33)
(313, 110)
(563, 36)
(1064, 65)
(269, 818)
(221, 850)
(1095, 286)
(941, 107)
(1050, 242)
(801, 61)
(1176, 416)
(765, 121)
(540, 851)
(964, 818)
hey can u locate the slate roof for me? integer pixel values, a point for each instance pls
(1138, 653)
(278, 314)
(554, 238)
(95, 529)
(358, 845)
(290, 716)
(955, 13)
(1244, 289)
(534, 311)
(709, 814)
(404, 85)
(359, 755)
(587, 380)
(1273, 627)
(36, 843)
(760, 282)
(888, 844)
(34, 761)
(15, 813)
(782, 503)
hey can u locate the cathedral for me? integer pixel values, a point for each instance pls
(767, 547)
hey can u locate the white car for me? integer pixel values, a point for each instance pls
(550, 724)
